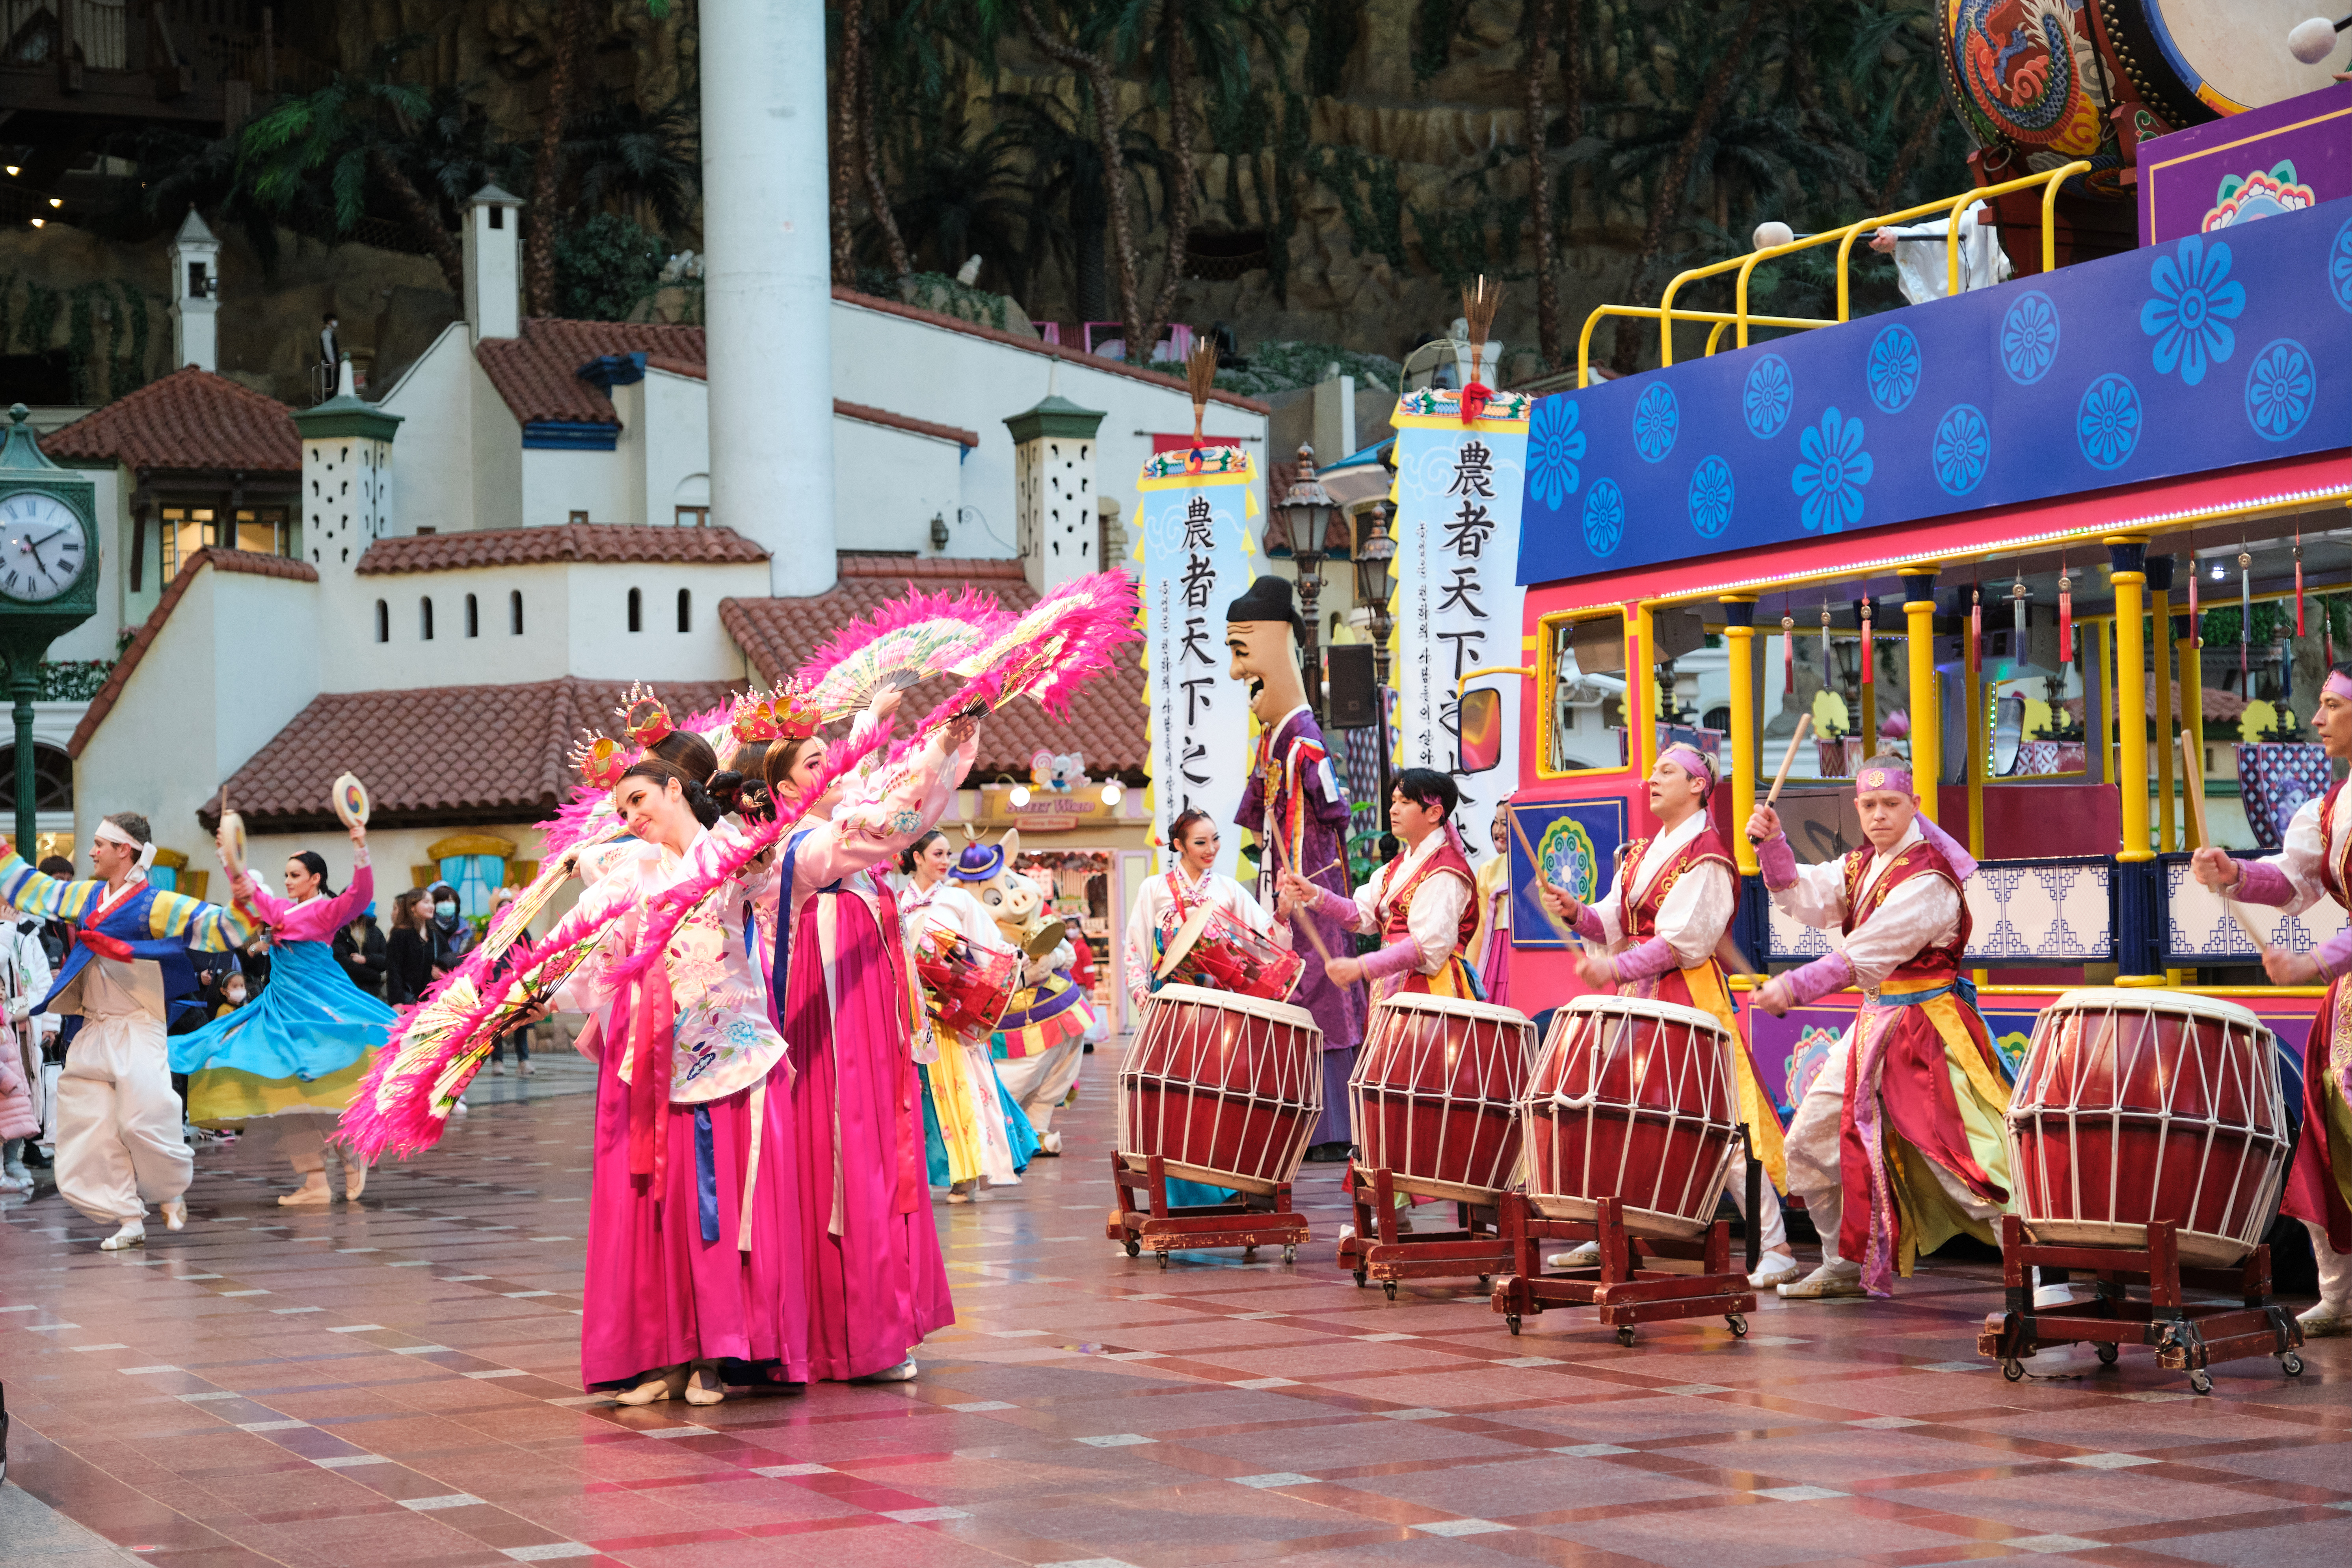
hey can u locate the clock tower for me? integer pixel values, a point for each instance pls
(49, 579)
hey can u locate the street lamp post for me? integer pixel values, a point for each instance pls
(1307, 511)
(1375, 558)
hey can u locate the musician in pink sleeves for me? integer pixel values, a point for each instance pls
(1422, 905)
(1173, 897)
(2314, 862)
(844, 990)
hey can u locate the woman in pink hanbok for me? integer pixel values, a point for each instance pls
(872, 1280)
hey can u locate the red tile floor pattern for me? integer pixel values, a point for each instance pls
(395, 1382)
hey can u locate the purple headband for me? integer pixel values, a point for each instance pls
(1692, 761)
(2339, 683)
(1963, 864)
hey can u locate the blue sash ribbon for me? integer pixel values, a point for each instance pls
(706, 1174)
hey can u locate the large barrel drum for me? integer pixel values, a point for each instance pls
(1435, 1093)
(1226, 1090)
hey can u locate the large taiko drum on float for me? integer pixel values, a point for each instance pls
(1434, 1095)
(1632, 1100)
(2133, 1106)
(1226, 1090)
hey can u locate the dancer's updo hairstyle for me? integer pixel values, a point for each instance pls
(711, 793)
(913, 852)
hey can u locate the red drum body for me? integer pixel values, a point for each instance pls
(968, 988)
(2135, 1106)
(1631, 1099)
(1435, 1095)
(1226, 1090)
(1227, 955)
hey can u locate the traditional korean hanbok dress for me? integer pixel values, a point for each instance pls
(302, 1046)
(973, 1130)
(1900, 1142)
(1424, 907)
(870, 1274)
(1492, 957)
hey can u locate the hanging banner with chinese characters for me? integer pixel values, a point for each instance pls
(1194, 545)
(1457, 598)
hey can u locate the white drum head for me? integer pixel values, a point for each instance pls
(1456, 1008)
(2156, 999)
(1233, 1001)
(1640, 1007)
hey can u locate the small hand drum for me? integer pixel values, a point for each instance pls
(968, 988)
(231, 838)
(350, 799)
(1216, 951)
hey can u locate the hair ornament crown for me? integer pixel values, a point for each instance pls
(796, 717)
(644, 716)
(752, 718)
(601, 759)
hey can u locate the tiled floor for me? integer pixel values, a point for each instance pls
(394, 1383)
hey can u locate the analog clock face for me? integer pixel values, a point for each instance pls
(41, 546)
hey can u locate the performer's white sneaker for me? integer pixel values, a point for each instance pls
(903, 1373)
(133, 1234)
(2327, 1321)
(1773, 1269)
(175, 1213)
(1585, 1255)
(1838, 1277)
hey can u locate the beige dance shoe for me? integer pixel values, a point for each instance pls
(175, 1213)
(1049, 1144)
(667, 1384)
(1773, 1270)
(313, 1190)
(963, 1193)
(1586, 1255)
(133, 1234)
(705, 1387)
(2327, 1321)
(355, 1180)
(1838, 1277)
(903, 1373)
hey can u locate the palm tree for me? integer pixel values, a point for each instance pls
(963, 196)
(620, 154)
(1068, 195)
(547, 167)
(453, 152)
(351, 133)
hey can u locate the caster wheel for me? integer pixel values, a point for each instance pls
(2291, 1365)
(1624, 1336)
(1485, 1282)
(2200, 1381)
(1249, 1255)
(1739, 1325)
(2109, 1355)
(1290, 1255)
(1387, 1288)
(1513, 1319)
(1362, 1278)
(2012, 1369)
(1163, 1263)
(1134, 1248)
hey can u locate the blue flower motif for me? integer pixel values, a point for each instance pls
(2281, 386)
(1656, 419)
(1831, 477)
(1770, 393)
(2029, 338)
(1710, 497)
(1604, 517)
(1893, 369)
(2107, 425)
(2339, 266)
(1554, 446)
(2194, 295)
(1963, 450)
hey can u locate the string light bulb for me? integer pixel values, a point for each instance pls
(1019, 796)
(1112, 792)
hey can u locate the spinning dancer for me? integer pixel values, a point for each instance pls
(1899, 1143)
(118, 1140)
(2314, 862)
(1294, 804)
(1661, 923)
(871, 1269)
(975, 1135)
(299, 1052)
(1420, 905)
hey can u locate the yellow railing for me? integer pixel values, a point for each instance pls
(1665, 315)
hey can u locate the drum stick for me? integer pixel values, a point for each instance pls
(1567, 933)
(2193, 773)
(1804, 723)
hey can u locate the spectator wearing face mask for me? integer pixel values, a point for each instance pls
(451, 933)
(360, 950)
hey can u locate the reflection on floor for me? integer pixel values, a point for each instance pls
(395, 1383)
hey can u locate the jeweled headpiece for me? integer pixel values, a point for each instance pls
(601, 759)
(796, 718)
(645, 717)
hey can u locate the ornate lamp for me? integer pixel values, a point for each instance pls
(1307, 511)
(1375, 563)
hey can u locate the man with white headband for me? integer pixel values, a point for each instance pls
(1898, 1145)
(2314, 862)
(118, 1140)
(1659, 925)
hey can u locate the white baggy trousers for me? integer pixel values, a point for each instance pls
(119, 1141)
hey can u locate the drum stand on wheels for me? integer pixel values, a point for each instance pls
(1623, 1292)
(1382, 1250)
(2184, 1337)
(1252, 1220)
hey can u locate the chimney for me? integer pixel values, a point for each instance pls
(346, 476)
(196, 279)
(1055, 511)
(493, 264)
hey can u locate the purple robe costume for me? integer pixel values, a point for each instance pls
(1294, 804)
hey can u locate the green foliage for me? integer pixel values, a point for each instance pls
(1435, 24)
(73, 679)
(2274, 619)
(1279, 365)
(41, 317)
(604, 267)
(1375, 215)
(938, 291)
(1332, 28)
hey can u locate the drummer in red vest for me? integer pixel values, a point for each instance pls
(1423, 905)
(2314, 862)
(1660, 923)
(1898, 1145)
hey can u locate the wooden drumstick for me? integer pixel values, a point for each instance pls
(1804, 723)
(2193, 785)
(1567, 933)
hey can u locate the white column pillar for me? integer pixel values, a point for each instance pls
(767, 283)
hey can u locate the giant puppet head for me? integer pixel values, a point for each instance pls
(1263, 633)
(1013, 901)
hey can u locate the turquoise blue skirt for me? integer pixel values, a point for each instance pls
(302, 1046)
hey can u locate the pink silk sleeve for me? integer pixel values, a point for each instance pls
(2259, 882)
(2335, 955)
(1397, 958)
(1654, 956)
(266, 905)
(1589, 926)
(1819, 978)
(1777, 861)
(1334, 906)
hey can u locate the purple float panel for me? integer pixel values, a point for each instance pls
(2280, 158)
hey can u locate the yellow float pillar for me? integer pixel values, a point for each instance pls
(2127, 552)
(1739, 631)
(1642, 685)
(1977, 738)
(2159, 584)
(1926, 713)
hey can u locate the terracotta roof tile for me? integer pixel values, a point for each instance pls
(503, 756)
(219, 560)
(1106, 720)
(609, 542)
(538, 372)
(189, 419)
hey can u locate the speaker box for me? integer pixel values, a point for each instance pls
(1354, 696)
